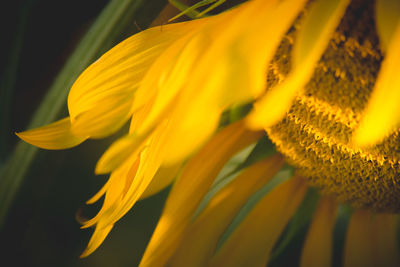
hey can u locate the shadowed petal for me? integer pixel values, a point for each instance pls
(371, 240)
(252, 241)
(317, 249)
(201, 238)
(387, 17)
(190, 188)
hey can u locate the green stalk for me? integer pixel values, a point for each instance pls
(112, 21)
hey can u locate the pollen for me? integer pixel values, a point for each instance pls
(316, 133)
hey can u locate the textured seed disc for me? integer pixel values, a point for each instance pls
(315, 134)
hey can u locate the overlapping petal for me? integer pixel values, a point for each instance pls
(125, 186)
(177, 86)
(201, 237)
(190, 188)
(371, 240)
(267, 221)
(164, 177)
(101, 99)
(312, 40)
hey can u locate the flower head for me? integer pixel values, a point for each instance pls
(323, 83)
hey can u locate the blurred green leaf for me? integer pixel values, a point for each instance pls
(243, 159)
(111, 23)
(263, 149)
(184, 8)
(299, 221)
(283, 175)
(339, 233)
(211, 8)
(8, 78)
(189, 11)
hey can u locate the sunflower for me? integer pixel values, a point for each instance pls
(320, 80)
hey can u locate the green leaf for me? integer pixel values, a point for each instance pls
(228, 173)
(263, 149)
(299, 221)
(236, 165)
(184, 8)
(339, 233)
(283, 175)
(191, 11)
(212, 7)
(112, 21)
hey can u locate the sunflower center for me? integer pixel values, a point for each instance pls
(316, 133)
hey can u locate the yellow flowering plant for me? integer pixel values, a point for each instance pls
(320, 80)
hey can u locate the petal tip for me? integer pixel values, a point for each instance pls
(54, 136)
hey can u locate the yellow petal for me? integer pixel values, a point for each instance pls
(190, 188)
(252, 241)
(105, 90)
(99, 193)
(313, 37)
(125, 146)
(358, 249)
(191, 126)
(163, 178)
(371, 240)
(139, 116)
(167, 67)
(253, 33)
(201, 102)
(105, 117)
(387, 17)
(118, 152)
(317, 249)
(150, 161)
(386, 242)
(197, 108)
(202, 236)
(115, 189)
(165, 79)
(382, 113)
(100, 233)
(56, 135)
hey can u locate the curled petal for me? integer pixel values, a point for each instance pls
(100, 233)
(119, 152)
